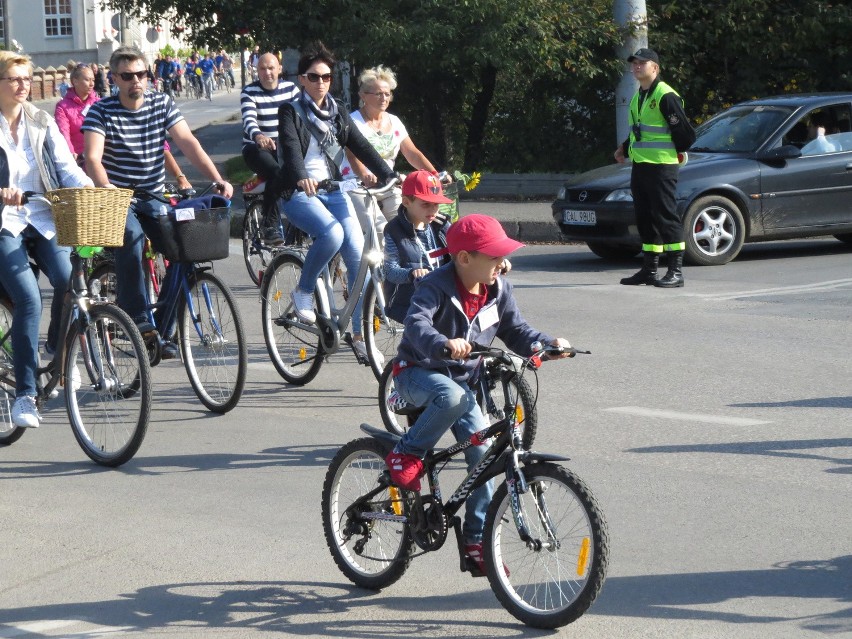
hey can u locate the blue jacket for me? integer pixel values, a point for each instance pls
(436, 315)
(408, 255)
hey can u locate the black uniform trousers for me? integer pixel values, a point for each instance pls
(654, 187)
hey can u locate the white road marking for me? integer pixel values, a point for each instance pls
(35, 627)
(685, 417)
(780, 290)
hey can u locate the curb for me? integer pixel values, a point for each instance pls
(519, 230)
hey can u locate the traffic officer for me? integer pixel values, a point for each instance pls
(659, 130)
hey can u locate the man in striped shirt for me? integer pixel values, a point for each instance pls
(259, 104)
(124, 136)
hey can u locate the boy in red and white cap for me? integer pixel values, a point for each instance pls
(458, 304)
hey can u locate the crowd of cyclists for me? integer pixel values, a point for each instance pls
(299, 139)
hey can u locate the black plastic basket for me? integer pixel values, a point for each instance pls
(202, 239)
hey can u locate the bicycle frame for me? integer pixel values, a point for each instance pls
(332, 321)
(178, 275)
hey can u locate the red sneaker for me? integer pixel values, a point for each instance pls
(405, 470)
(474, 553)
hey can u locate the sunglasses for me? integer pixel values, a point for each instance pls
(127, 76)
(316, 77)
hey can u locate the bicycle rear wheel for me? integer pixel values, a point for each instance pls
(256, 254)
(216, 360)
(551, 581)
(107, 386)
(372, 553)
(381, 333)
(294, 347)
(524, 401)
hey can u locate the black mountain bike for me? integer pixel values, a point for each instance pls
(546, 542)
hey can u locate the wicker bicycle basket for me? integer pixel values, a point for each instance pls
(89, 217)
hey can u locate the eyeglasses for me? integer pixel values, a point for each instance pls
(127, 76)
(316, 77)
(380, 94)
(21, 80)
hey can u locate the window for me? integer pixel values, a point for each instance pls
(2, 23)
(57, 17)
(822, 130)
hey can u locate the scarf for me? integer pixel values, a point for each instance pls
(324, 122)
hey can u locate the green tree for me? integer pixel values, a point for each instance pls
(477, 77)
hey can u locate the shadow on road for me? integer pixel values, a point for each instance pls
(335, 609)
(795, 448)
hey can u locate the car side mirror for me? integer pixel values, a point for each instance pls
(786, 152)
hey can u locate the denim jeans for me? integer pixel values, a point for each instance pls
(131, 293)
(449, 405)
(20, 283)
(330, 220)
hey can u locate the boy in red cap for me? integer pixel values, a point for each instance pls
(462, 302)
(415, 240)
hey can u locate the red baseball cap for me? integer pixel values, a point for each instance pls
(424, 186)
(481, 233)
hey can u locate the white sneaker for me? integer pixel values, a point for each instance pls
(304, 303)
(24, 412)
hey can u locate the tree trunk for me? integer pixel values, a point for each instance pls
(479, 118)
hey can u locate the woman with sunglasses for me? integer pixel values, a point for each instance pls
(312, 132)
(33, 157)
(387, 134)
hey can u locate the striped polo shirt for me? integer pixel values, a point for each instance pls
(259, 108)
(133, 148)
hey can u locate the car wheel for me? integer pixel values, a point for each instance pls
(846, 238)
(714, 231)
(613, 251)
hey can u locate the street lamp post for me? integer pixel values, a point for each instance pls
(632, 17)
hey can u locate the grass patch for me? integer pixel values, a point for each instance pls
(236, 170)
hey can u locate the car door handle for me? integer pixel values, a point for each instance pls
(849, 167)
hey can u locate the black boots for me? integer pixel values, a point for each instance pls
(674, 276)
(647, 274)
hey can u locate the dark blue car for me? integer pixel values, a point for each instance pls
(768, 169)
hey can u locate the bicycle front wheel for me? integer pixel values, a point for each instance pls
(256, 254)
(370, 548)
(381, 333)
(212, 342)
(107, 386)
(521, 394)
(552, 580)
(294, 347)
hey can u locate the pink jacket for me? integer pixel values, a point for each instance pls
(70, 113)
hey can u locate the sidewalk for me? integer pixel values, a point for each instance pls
(219, 130)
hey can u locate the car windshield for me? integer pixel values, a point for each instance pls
(741, 129)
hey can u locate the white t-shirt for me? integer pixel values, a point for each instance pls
(386, 144)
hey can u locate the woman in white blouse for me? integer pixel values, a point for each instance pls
(33, 157)
(386, 133)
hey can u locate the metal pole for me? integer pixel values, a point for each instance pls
(632, 17)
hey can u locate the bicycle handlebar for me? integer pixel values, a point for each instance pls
(329, 186)
(538, 349)
(180, 195)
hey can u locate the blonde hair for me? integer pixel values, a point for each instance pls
(370, 77)
(13, 59)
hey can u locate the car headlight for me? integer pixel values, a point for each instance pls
(619, 195)
(561, 194)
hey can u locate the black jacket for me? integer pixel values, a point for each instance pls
(294, 137)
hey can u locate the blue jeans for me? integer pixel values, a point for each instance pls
(131, 293)
(449, 405)
(20, 283)
(330, 220)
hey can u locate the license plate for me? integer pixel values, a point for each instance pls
(580, 218)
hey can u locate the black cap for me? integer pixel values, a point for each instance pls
(645, 54)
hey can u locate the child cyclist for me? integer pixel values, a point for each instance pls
(415, 240)
(458, 304)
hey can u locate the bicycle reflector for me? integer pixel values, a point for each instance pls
(583, 557)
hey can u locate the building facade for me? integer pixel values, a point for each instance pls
(52, 32)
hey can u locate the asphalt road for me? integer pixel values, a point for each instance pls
(712, 424)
